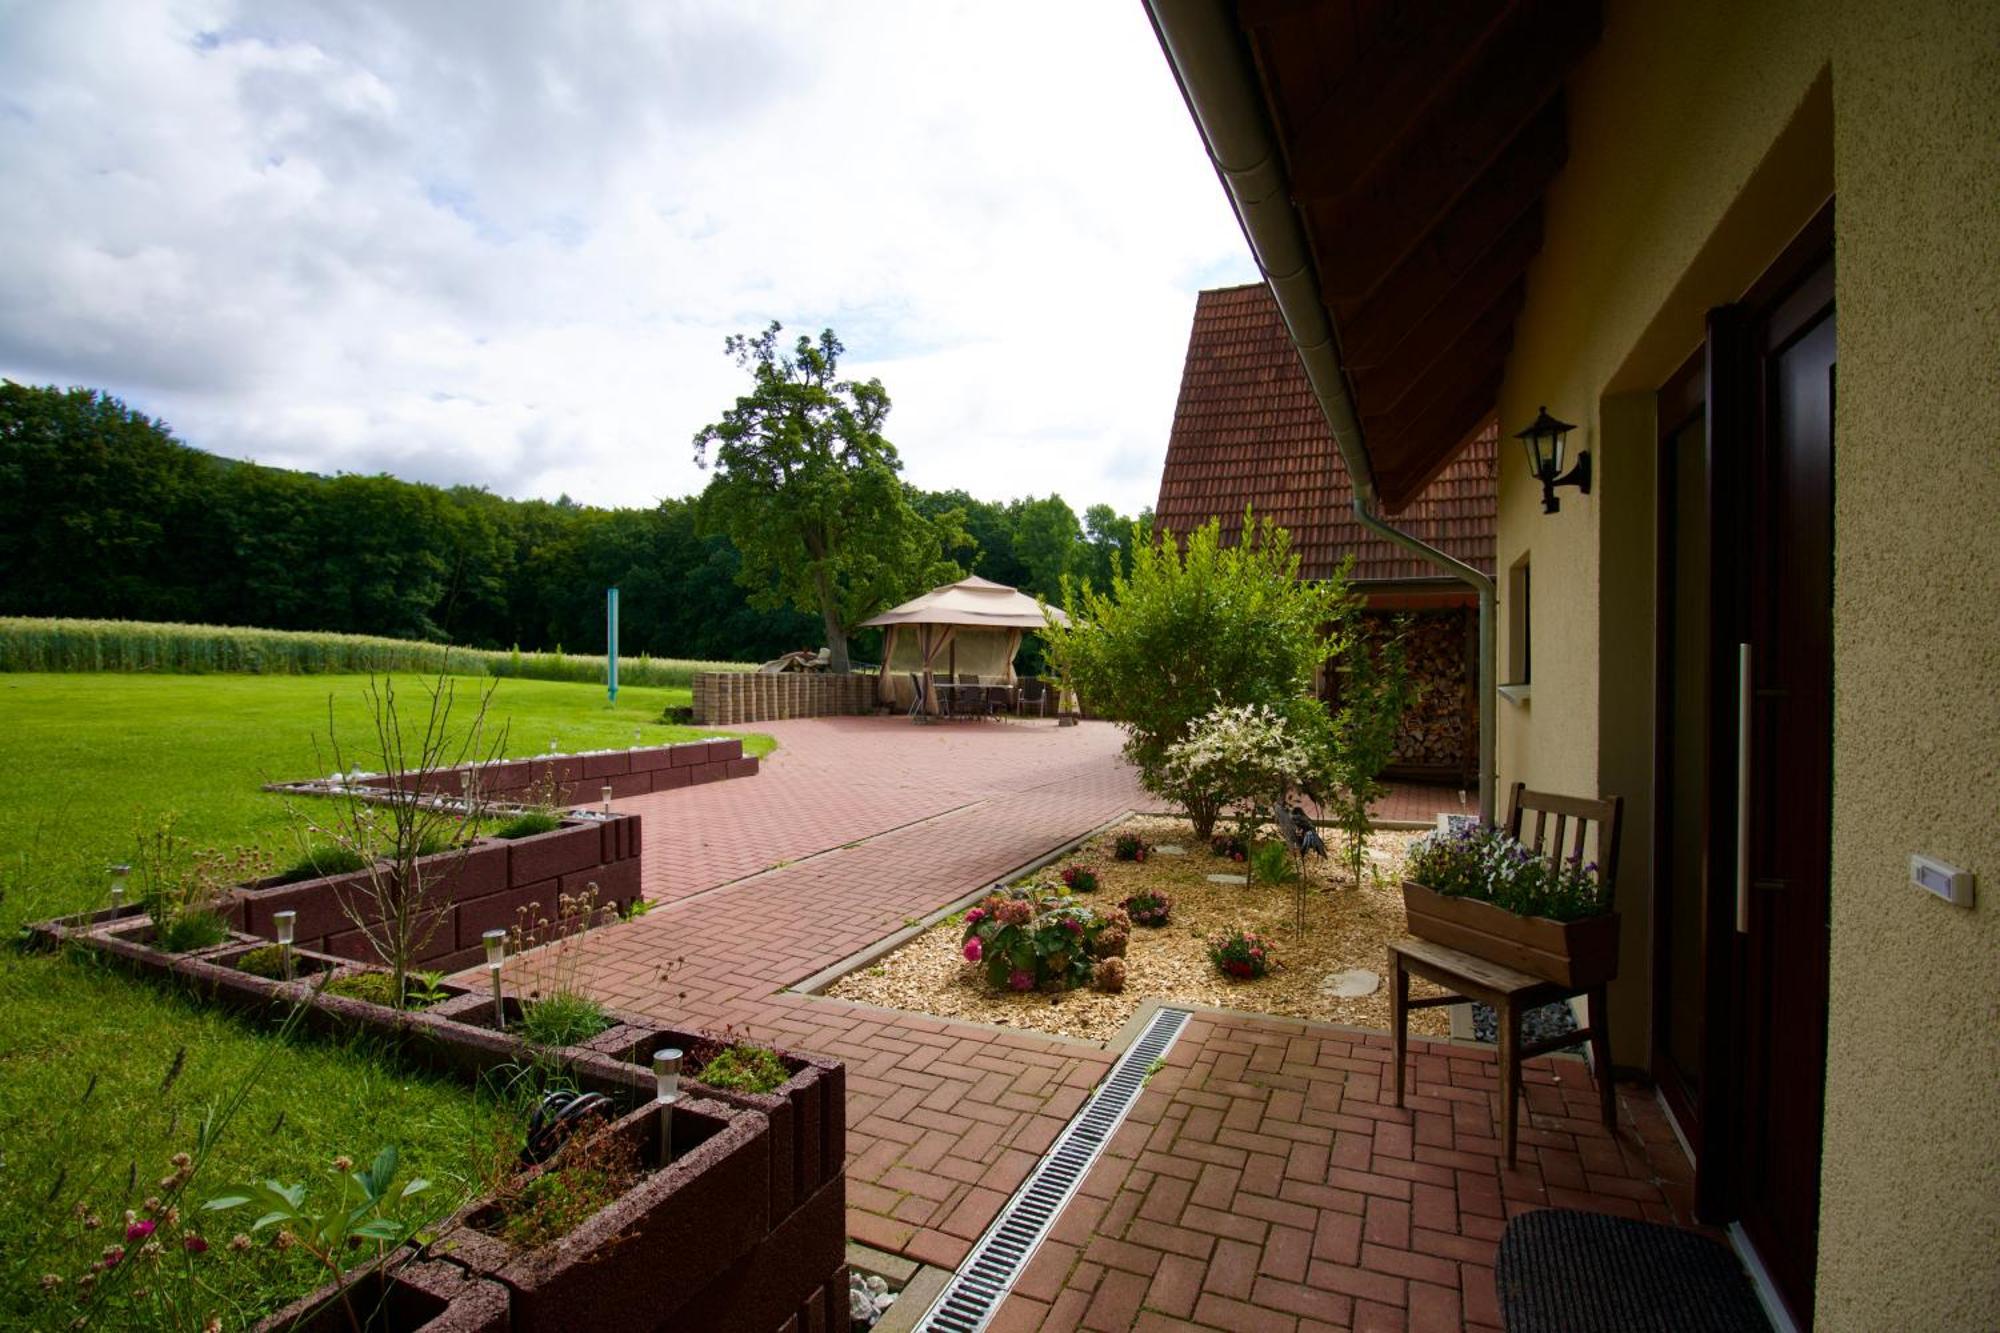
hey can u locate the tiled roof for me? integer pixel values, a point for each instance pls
(1247, 431)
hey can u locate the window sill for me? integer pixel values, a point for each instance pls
(1516, 694)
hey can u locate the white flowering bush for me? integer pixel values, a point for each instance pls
(1232, 757)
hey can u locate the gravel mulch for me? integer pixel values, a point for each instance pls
(1346, 928)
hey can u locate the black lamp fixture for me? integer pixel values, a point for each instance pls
(1544, 439)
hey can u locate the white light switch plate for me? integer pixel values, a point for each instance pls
(1946, 881)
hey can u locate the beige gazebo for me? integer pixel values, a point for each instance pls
(972, 627)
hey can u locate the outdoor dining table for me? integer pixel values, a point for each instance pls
(995, 696)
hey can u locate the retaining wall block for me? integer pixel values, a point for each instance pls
(624, 1266)
(606, 765)
(547, 855)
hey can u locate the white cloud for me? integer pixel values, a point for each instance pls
(502, 243)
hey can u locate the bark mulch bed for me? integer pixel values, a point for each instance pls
(1346, 928)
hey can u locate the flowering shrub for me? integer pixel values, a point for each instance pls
(1040, 942)
(1079, 879)
(1239, 757)
(1240, 954)
(1110, 976)
(1484, 863)
(1228, 848)
(1149, 908)
(1129, 847)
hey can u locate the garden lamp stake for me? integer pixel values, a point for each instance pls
(667, 1085)
(496, 953)
(119, 874)
(607, 798)
(287, 923)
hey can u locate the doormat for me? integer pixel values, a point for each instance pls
(1561, 1271)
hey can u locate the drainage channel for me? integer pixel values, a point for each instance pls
(972, 1297)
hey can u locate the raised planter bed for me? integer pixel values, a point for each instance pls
(1570, 953)
(406, 1295)
(742, 1232)
(636, 1262)
(808, 1111)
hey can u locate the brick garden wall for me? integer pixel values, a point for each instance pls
(725, 697)
(482, 889)
(579, 779)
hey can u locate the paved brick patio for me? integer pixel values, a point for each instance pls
(1261, 1183)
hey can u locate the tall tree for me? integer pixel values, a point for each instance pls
(808, 492)
(1049, 541)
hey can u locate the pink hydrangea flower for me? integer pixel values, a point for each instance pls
(1021, 979)
(975, 915)
(973, 950)
(1015, 913)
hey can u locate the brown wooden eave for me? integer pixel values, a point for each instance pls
(1419, 139)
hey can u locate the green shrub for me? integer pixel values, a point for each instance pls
(1271, 863)
(373, 987)
(319, 862)
(266, 960)
(563, 1019)
(1197, 624)
(745, 1069)
(187, 931)
(528, 824)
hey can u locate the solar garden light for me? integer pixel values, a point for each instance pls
(119, 874)
(496, 954)
(667, 1085)
(286, 922)
(552, 745)
(607, 798)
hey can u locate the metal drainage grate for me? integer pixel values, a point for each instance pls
(972, 1297)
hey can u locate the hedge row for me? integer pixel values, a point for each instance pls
(132, 645)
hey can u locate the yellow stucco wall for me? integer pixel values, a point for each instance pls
(1700, 139)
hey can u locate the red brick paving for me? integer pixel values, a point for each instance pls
(1261, 1182)
(1264, 1181)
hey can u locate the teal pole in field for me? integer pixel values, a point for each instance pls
(611, 641)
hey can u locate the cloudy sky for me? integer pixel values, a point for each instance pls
(502, 243)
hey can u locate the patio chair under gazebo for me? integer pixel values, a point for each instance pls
(969, 628)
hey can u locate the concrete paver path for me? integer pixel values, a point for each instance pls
(1261, 1183)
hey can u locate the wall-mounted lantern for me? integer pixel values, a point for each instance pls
(1544, 439)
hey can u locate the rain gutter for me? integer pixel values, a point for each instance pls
(1205, 49)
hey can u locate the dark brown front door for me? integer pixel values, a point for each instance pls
(1786, 649)
(1744, 748)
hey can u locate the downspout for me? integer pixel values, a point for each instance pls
(1205, 49)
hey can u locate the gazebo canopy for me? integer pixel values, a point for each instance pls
(973, 602)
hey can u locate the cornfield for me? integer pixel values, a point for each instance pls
(134, 645)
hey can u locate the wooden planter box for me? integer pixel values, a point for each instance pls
(1570, 953)
(404, 1296)
(637, 1261)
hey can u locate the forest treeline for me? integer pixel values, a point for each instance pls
(103, 513)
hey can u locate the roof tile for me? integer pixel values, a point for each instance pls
(1248, 431)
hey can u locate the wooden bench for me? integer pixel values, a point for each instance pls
(1507, 992)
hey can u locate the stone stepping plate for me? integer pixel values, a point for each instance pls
(1352, 984)
(1169, 849)
(1228, 879)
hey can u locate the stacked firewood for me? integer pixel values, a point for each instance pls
(1440, 729)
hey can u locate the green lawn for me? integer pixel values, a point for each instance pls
(89, 755)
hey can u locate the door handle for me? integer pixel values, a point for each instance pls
(1743, 698)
